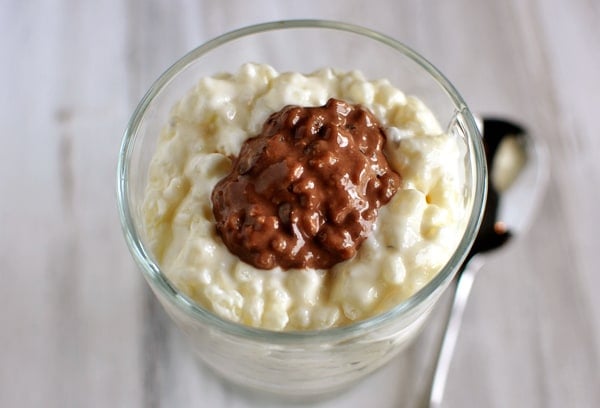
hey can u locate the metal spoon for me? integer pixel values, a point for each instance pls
(517, 174)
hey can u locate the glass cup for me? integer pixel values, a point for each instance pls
(301, 363)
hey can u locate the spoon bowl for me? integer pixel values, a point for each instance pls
(527, 157)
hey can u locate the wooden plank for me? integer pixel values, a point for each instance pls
(69, 327)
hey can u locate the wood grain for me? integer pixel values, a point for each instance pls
(78, 327)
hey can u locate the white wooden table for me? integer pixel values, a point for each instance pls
(78, 326)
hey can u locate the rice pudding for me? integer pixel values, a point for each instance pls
(411, 239)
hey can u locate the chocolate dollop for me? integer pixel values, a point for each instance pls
(305, 192)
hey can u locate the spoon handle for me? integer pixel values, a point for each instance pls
(464, 283)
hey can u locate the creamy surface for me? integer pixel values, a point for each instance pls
(413, 237)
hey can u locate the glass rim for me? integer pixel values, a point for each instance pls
(177, 298)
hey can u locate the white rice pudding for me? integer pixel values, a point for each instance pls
(414, 235)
